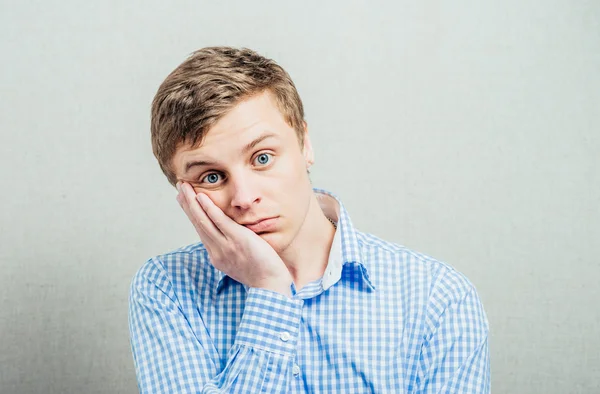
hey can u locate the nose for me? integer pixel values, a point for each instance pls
(244, 192)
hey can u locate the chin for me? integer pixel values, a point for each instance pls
(274, 239)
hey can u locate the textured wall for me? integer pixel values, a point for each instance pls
(465, 130)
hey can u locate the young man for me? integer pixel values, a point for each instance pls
(283, 294)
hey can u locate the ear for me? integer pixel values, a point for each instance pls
(307, 150)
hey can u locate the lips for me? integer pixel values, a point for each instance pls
(262, 225)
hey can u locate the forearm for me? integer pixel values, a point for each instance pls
(170, 356)
(266, 338)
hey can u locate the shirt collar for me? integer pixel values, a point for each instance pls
(345, 251)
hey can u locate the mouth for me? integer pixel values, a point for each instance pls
(262, 226)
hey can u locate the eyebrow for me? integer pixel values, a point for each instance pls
(245, 149)
(198, 163)
(257, 141)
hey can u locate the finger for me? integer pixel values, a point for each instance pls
(224, 223)
(208, 242)
(199, 229)
(201, 220)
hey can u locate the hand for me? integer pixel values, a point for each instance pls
(234, 249)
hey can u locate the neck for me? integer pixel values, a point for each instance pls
(307, 256)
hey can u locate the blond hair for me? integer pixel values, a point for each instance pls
(208, 84)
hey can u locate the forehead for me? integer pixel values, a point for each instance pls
(257, 108)
(251, 118)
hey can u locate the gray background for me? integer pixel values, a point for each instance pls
(467, 130)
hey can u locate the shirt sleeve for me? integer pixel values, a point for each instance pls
(455, 354)
(171, 357)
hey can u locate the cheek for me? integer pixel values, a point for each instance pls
(293, 172)
(217, 197)
(295, 188)
(288, 189)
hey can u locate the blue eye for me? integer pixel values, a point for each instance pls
(212, 178)
(263, 158)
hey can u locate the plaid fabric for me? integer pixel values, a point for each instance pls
(383, 319)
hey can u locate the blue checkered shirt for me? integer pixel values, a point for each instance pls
(382, 319)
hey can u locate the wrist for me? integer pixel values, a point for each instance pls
(278, 286)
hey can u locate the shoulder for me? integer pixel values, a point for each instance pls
(185, 265)
(427, 286)
(419, 271)
(380, 250)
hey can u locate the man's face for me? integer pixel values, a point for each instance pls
(251, 166)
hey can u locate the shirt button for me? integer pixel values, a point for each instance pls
(296, 370)
(285, 336)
